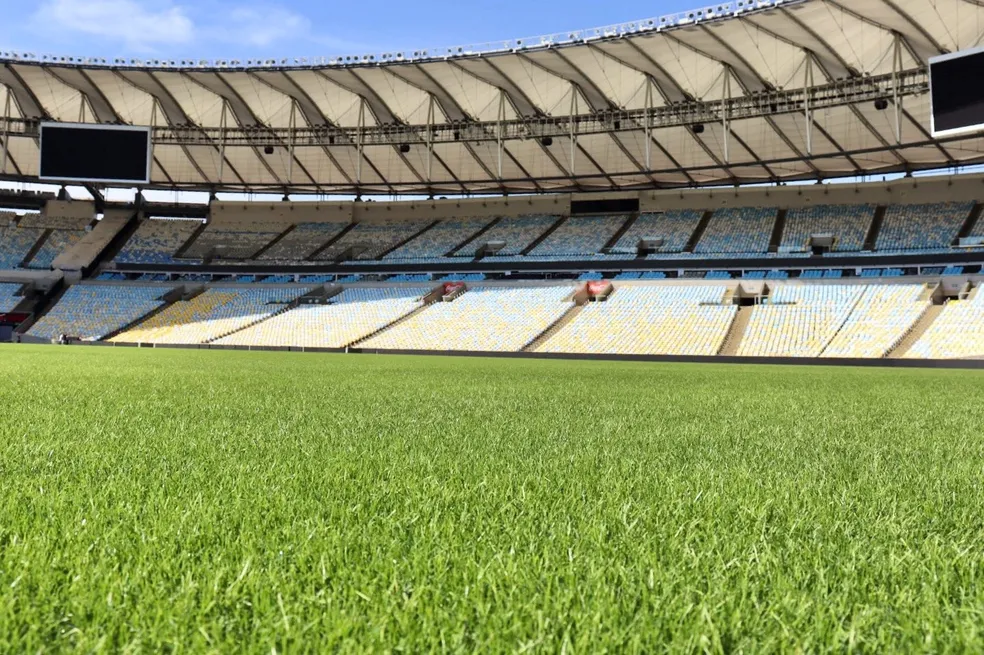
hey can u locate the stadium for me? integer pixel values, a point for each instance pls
(705, 288)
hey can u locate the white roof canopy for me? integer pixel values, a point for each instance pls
(732, 98)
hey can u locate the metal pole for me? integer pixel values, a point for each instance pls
(570, 121)
(6, 130)
(362, 126)
(290, 141)
(896, 100)
(498, 130)
(724, 112)
(806, 105)
(649, 129)
(222, 141)
(430, 139)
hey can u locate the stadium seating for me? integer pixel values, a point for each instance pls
(482, 319)
(375, 238)
(517, 232)
(848, 224)
(674, 227)
(156, 240)
(579, 235)
(921, 227)
(213, 314)
(228, 243)
(957, 333)
(742, 230)
(439, 240)
(798, 320)
(7, 298)
(883, 316)
(303, 240)
(350, 316)
(649, 320)
(16, 243)
(58, 241)
(92, 311)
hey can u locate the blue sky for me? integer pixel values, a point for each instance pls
(249, 29)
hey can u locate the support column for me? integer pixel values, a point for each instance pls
(360, 138)
(222, 140)
(808, 110)
(6, 131)
(649, 124)
(499, 128)
(724, 114)
(896, 98)
(290, 142)
(573, 133)
(430, 140)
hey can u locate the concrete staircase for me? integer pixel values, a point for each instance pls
(285, 308)
(277, 239)
(543, 237)
(732, 340)
(555, 327)
(405, 317)
(698, 232)
(473, 237)
(916, 332)
(777, 231)
(871, 239)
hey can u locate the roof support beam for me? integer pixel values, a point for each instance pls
(303, 103)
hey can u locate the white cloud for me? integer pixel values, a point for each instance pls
(142, 26)
(179, 27)
(261, 26)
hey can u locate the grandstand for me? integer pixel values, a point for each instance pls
(523, 196)
(93, 311)
(217, 312)
(348, 317)
(481, 319)
(157, 240)
(957, 333)
(649, 320)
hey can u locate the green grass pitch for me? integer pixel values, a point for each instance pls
(195, 501)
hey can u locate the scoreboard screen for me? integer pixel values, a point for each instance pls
(957, 92)
(73, 152)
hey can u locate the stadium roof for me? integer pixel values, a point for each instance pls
(736, 93)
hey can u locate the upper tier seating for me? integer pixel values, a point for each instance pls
(439, 240)
(674, 227)
(57, 242)
(227, 242)
(848, 224)
(922, 227)
(957, 333)
(350, 316)
(16, 243)
(482, 319)
(649, 320)
(518, 233)
(745, 230)
(302, 241)
(7, 298)
(798, 320)
(580, 235)
(156, 240)
(881, 319)
(213, 314)
(45, 222)
(92, 311)
(376, 238)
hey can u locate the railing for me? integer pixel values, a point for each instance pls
(722, 10)
(689, 114)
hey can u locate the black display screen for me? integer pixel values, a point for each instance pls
(958, 93)
(94, 153)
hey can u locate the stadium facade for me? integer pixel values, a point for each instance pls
(621, 160)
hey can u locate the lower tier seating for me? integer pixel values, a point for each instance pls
(799, 320)
(883, 316)
(352, 315)
(649, 320)
(211, 315)
(92, 311)
(7, 298)
(483, 318)
(957, 333)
